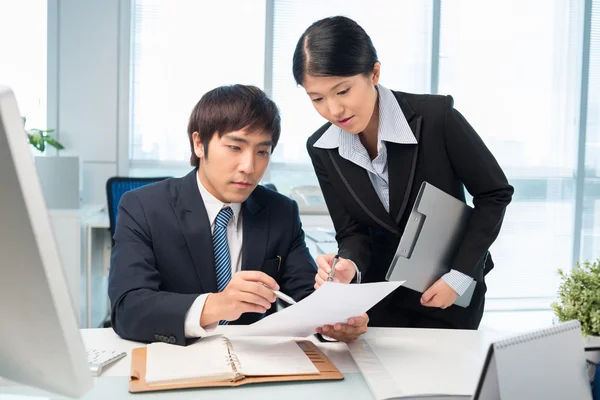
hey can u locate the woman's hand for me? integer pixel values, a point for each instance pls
(440, 295)
(344, 270)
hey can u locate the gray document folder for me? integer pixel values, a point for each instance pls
(434, 231)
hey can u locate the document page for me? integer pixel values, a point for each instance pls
(330, 304)
(434, 364)
(259, 356)
(205, 360)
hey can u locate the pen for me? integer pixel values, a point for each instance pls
(284, 297)
(281, 295)
(335, 260)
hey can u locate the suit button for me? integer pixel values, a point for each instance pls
(172, 339)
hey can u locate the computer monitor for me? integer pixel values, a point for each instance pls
(40, 344)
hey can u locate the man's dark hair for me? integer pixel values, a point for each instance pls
(334, 46)
(229, 109)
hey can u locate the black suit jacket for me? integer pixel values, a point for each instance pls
(163, 255)
(451, 156)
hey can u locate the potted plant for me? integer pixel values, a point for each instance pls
(59, 176)
(39, 138)
(579, 298)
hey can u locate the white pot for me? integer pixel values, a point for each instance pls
(592, 342)
(60, 181)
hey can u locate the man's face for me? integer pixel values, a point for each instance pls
(235, 163)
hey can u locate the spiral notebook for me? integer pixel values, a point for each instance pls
(545, 364)
(223, 361)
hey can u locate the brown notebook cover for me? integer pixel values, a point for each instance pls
(327, 371)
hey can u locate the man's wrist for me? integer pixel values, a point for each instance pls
(210, 312)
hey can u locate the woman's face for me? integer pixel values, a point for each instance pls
(347, 102)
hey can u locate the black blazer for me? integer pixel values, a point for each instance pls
(451, 156)
(163, 255)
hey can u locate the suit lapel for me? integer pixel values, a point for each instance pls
(195, 226)
(356, 180)
(255, 223)
(402, 163)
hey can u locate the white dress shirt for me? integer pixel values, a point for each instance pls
(393, 127)
(234, 241)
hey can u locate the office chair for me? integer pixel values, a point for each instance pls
(115, 188)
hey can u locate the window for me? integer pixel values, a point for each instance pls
(590, 243)
(173, 64)
(516, 78)
(181, 50)
(23, 56)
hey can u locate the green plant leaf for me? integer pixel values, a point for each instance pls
(39, 138)
(35, 138)
(42, 145)
(579, 296)
(53, 142)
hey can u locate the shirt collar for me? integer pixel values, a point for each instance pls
(393, 126)
(214, 205)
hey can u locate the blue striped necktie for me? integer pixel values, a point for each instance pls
(221, 250)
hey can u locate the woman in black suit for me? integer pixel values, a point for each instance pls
(371, 157)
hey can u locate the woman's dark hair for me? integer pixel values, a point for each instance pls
(334, 46)
(229, 109)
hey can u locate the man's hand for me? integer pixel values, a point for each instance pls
(344, 270)
(244, 293)
(440, 295)
(355, 327)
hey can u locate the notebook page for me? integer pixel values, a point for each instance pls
(205, 360)
(261, 356)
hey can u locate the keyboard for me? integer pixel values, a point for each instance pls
(98, 359)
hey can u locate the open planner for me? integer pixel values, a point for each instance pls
(223, 361)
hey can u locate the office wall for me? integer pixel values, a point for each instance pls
(88, 88)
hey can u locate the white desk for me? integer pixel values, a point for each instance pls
(421, 357)
(98, 247)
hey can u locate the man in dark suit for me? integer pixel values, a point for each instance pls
(209, 248)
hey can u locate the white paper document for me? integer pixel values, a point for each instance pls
(380, 359)
(331, 303)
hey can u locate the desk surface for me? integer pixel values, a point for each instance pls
(418, 356)
(98, 220)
